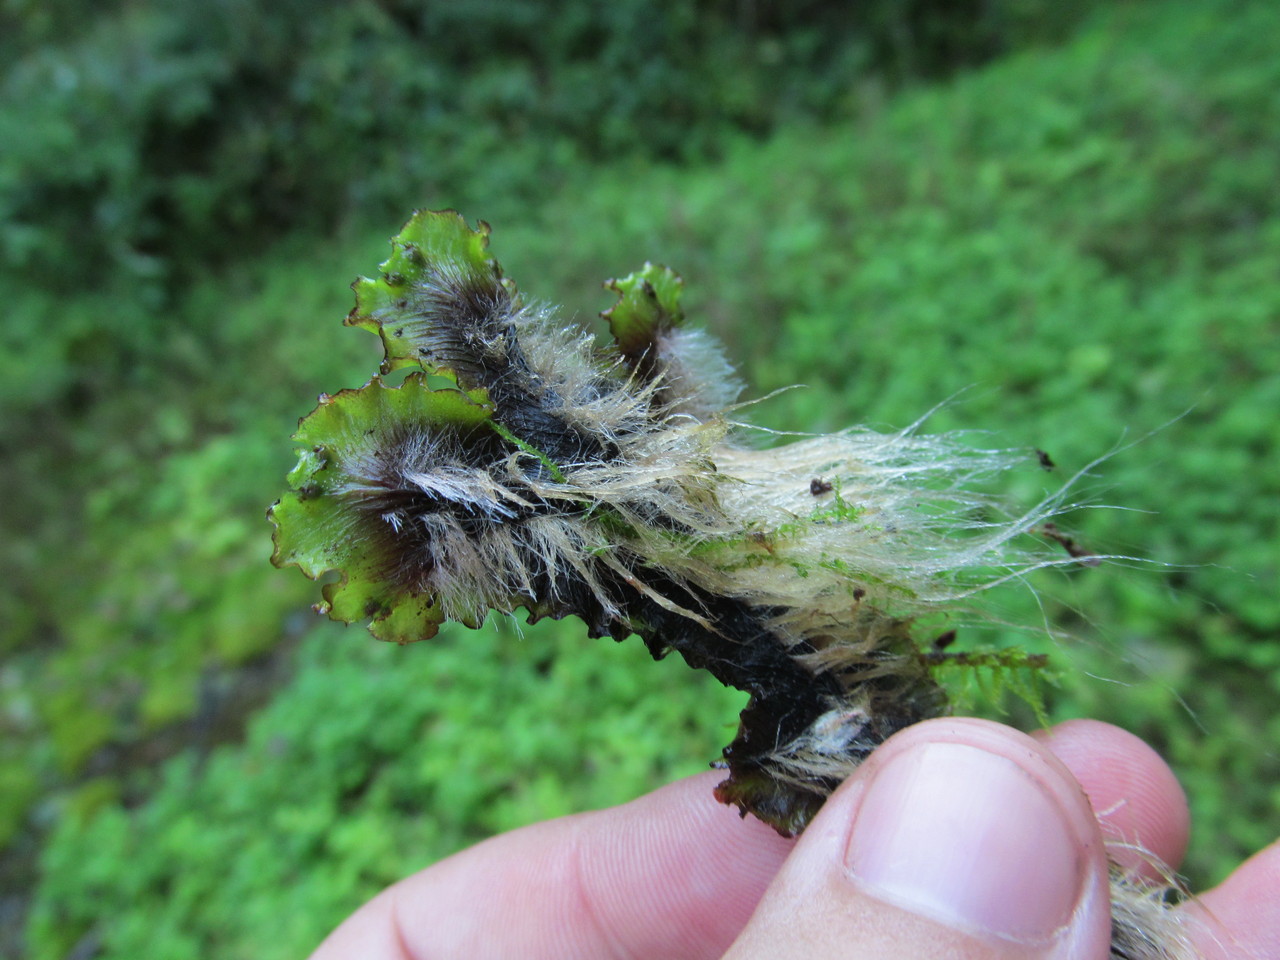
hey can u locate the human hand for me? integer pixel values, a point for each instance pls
(957, 839)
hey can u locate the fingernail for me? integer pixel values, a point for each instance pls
(969, 838)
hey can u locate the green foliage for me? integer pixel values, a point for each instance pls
(148, 138)
(138, 587)
(1078, 246)
(375, 760)
(987, 679)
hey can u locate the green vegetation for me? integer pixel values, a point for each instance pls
(154, 137)
(1075, 243)
(364, 767)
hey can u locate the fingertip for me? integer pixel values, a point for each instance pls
(1138, 801)
(1240, 918)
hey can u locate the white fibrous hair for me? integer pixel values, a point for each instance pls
(524, 465)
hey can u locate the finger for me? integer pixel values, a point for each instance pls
(1135, 796)
(1240, 918)
(676, 873)
(672, 874)
(957, 838)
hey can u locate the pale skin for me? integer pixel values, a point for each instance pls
(958, 839)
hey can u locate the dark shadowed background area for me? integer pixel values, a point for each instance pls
(1063, 218)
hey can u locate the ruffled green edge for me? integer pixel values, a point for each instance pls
(317, 528)
(431, 242)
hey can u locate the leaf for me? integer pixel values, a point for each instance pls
(323, 523)
(437, 263)
(648, 306)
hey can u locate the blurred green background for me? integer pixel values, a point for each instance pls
(1065, 216)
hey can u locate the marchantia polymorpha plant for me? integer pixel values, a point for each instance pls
(522, 465)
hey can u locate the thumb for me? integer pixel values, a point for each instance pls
(956, 839)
